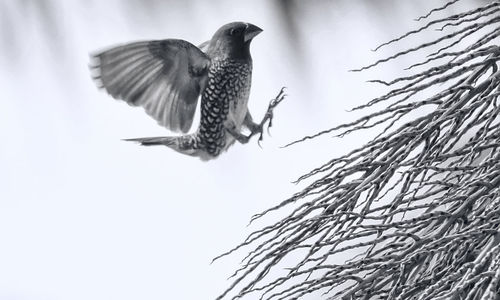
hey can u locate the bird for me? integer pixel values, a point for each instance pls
(167, 77)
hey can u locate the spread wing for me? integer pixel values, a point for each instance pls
(165, 77)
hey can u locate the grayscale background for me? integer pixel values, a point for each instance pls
(84, 215)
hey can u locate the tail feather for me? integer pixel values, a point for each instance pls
(155, 141)
(185, 144)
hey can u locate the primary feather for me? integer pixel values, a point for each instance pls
(165, 77)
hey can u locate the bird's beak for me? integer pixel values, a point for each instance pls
(250, 32)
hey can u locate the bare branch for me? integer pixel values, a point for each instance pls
(416, 209)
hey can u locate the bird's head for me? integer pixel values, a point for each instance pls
(233, 40)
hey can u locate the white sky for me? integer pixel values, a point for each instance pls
(84, 215)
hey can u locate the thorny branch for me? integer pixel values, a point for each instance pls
(419, 204)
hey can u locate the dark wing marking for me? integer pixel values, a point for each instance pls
(165, 77)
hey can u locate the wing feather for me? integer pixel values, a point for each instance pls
(165, 77)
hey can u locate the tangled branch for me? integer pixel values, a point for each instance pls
(419, 204)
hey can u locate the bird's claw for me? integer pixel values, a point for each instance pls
(261, 138)
(268, 117)
(274, 102)
(269, 114)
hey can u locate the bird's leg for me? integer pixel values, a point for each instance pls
(240, 137)
(251, 125)
(259, 127)
(256, 127)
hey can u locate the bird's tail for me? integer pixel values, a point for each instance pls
(155, 141)
(185, 144)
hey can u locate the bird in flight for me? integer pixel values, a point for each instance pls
(166, 77)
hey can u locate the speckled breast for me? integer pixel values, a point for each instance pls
(224, 100)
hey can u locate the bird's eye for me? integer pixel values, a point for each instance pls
(235, 31)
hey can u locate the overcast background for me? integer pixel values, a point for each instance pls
(84, 215)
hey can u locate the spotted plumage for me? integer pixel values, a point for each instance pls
(167, 77)
(226, 96)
